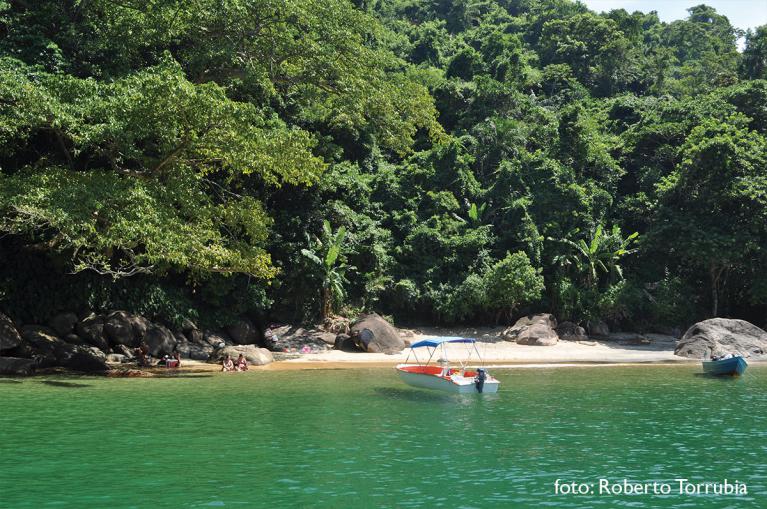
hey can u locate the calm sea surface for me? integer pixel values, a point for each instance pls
(359, 438)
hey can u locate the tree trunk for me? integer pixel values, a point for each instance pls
(715, 272)
(326, 303)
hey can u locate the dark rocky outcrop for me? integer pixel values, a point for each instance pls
(253, 354)
(536, 330)
(16, 366)
(216, 338)
(345, 343)
(598, 328)
(91, 329)
(63, 323)
(84, 359)
(371, 333)
(122, 328)
(194, 336)
(722, 335)
(243, 332)
(9, 336)
(569, 331)
(160, 341)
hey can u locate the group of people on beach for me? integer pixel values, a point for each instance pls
(239, 365)
(144, 359)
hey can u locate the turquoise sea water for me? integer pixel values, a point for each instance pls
(359, 438)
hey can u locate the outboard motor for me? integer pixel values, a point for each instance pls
(479, 380)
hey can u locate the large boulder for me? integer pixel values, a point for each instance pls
(45, 346)
(49, 350)
(216, 338)
(195, 336)
(598, 328)
(63, 323)
(84, 359)
(9, 336)
(160, 341)
(722, 335)
(536, 330)
(16, 366)
(569, 331)
(122, 328)
(91, 329)
(373, 334)
(346, 344)
(243, 332)
(253, 354)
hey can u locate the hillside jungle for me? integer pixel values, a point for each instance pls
(437, 161)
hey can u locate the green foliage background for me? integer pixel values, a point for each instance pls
(482, 159)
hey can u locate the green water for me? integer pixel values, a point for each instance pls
(358, 438)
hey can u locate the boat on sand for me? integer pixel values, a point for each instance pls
(441, 375)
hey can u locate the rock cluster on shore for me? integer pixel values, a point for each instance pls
(722, 335)
(90, 342)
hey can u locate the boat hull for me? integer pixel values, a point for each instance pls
(454, 384)
(733, 366)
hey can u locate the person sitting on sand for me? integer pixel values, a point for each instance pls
(227, 364)
(142, 354)
(241, 364)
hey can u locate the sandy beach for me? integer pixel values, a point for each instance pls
(492, 351)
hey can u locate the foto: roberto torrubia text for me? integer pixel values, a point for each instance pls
(679, 486)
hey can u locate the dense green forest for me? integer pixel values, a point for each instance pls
(439, 161)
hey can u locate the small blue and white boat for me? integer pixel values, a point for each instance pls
(733, 366)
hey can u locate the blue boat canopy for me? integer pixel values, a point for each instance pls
(435, 342)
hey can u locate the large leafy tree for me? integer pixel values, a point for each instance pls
(714, 204)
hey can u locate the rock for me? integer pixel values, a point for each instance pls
(73, 339)
(9, 336)
(125, 352)
(722, 335)
(290, 338)
(52, 351)
(345, 343)
(374, 334)
(588, 343)
(40, 337)
(216, 338)
(569, 331)
(16, 366)
(195, 336)
(633, 338)
(84, 359)
(327, 337)
(533, 330)
(660, 338)
(91, 329)
(160, 341)
(116, 358)
(199, 352)
(63, 323)
(188, 326)
(598, 328)
(253, 354)
(123, 328)
(243, 332)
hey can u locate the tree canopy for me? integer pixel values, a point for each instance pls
(448, 161)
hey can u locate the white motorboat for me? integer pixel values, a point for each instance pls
(441, 376)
